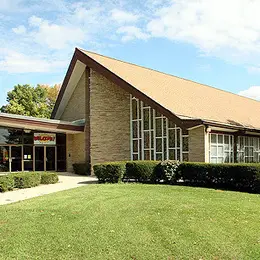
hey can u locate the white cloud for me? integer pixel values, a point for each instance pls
(84, 15)
(252, 92)
(222, 28)
(121, 16)
(15, 62)
(19, 30)
(35, 21)
(131, 33)
(55, 36)
(225, 29)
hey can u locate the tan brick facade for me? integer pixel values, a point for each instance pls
(197, 145)
(109, 124)
(109, 120)
(69, 152)
(75, 150)
(76, 110)
(76, 106)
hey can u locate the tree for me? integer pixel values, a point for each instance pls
(31, 101)
(52, 94)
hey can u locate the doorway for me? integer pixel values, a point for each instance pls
(39, 158)
(16, 158)
(45, 158)
(28, 158)
(50, 158)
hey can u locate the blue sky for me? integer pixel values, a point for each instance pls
(216, 42)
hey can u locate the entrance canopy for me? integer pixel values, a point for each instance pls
(41, 124)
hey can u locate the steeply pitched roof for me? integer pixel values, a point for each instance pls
(185, 98)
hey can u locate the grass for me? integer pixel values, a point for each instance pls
(133, 221)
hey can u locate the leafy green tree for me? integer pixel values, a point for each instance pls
(31, 101)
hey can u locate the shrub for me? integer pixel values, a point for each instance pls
(142, 171)
(3, 168)
(243, 177)
(167, 171)
(256, 186)
(112, 172)
(49, 178)
(26, 179)
(194, 173)
(81, 168)
(6, 183)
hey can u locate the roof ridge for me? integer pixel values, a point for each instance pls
(167, 74)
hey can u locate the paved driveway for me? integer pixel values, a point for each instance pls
(66, 181)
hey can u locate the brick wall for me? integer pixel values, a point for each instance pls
(75, 150)
(197, 138)
(109, 120)
(75, 108)
(69, 154)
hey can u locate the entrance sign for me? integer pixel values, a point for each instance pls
(44, 139)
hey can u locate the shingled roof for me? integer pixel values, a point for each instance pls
(184, 98)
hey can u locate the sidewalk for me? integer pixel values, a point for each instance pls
(66, 181)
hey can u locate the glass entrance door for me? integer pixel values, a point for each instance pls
(16, 158)
(28, 158)
(50, 158)
(45, 158)
(39, 158)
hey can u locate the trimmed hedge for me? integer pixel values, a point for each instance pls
(242, 177)
(49, 178)
(142, 171)
(81, 168)
(26, 179)
(6, 183)
(109, 172)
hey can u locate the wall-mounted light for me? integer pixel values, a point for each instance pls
(27, 131)
(208, 129)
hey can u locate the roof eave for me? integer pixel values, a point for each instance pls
(209, 123)
(35, 124)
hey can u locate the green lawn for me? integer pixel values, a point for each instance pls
(133, 221)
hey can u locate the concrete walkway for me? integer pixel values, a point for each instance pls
(66, 181)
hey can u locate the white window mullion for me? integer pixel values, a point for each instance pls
(154, 135)
(167, 138)
(142, 131)
(162, 138)
(181, 148)
(131, 127)
(138, 129)
(175, 137)
(150, 134)
(140, 152)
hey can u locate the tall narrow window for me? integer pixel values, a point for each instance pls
(153, 136)
(185, 148)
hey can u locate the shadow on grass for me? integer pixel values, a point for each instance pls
(88, 182)
(218, 187)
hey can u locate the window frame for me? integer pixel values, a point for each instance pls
(218, 144)
(154, 138)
